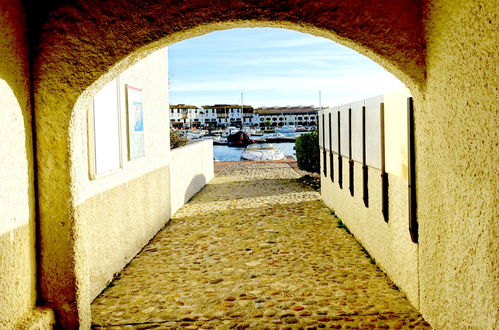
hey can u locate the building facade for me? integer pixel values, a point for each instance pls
(280, 116)
(185, 116)
(224, 115)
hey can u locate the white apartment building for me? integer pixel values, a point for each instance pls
(288, 115)
(185, 116)
(224, 115)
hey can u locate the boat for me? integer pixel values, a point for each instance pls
(278, 137)
(192, 136)
(262, 152)
(239, 139)
(229, 131)
(248, 130)
(220, 142)
(286, 129)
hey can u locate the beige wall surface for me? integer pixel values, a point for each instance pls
(457, 157)
(151, 75)
(388, 243)
(395, 105)
(17, 201)
(120, 221)
(191, 168)
(122, 211)
(444, 50)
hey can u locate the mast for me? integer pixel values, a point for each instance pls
(242, 110)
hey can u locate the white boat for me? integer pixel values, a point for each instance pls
(248, 130)
(192, 136)
(262, 152)
(286, 129)
(274, 135)
(229, 131)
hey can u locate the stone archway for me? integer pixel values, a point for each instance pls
(83, 46)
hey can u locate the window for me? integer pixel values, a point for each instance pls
(105, 131)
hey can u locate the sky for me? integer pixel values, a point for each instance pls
(271, 67)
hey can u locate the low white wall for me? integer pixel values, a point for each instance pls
(191, 168)
(122, 210)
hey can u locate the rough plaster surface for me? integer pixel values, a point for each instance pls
(388, 243)
(191, 168)
(454, 87)
(118, 213)
(457, 167)
(75, 56)
(120, 221)
(17, 203)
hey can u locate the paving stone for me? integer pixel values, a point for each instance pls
(253, 249)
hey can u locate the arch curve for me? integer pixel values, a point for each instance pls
(84, 44)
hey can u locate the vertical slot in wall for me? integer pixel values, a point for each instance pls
(340, 159)
(365, 172)
(324, 159)
(350, 160)
(384, 175)
(413, 223)
(331, 160)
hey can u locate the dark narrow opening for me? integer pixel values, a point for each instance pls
(324, 145)
(331, 158)
(384, 175)
(340, 159)
(365, 172)
(350, 160)
(413, 222)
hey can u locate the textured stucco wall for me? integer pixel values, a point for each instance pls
(447, 57)
(150, 74)
(457, 156)
(69, 242)
(191, 168)
(120, 221)
(72, 51)
(17, 202)
(388, 243)
(120, 212)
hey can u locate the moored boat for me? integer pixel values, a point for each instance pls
(286, 129)
(262, 152)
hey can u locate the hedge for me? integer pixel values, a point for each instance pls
(307, 152)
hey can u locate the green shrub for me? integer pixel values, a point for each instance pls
(176, 140)
(307, 152)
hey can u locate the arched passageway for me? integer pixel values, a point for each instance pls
(76, 47)
(75, 51)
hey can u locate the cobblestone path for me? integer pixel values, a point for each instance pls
(254, 249)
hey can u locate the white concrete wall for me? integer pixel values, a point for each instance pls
(120, 212)
(150, 74)
(191, 168)
(389, 243)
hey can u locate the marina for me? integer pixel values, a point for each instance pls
(263, 146)
(224, 153)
